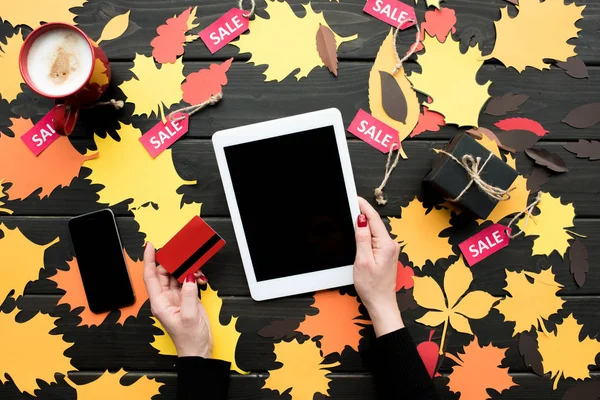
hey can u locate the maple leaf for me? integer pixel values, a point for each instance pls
(225, 337)
(17, 250)
(431, 3)
(565, 341)
(171, 39)
(2, 196)
(527, 39)
(386, 62)
(33, 12)
(515, 204)
(10, 85)
(56, 167)
(451, 309)
(429, 121)
(404, 277)
(23, 342)
(424, 243)
(152, 90)
(109, 385)
(440, 80)
(70, 282)
(550, 225)
(128, 172)
(200, 85)
(530, 302)
(438, 23)
(285, 42)
(335, 322)
(299, 360)
(478, 370)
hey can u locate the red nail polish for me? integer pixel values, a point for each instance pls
(362, 221)
(190, 278)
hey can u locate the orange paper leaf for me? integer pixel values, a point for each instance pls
(438, 23)
(336, 321)
(479, 369)
(109, 386)
(70, 282)
(56, 167)
(199, 86)
(168, 45)
(429, 121)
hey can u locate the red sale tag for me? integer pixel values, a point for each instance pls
(41, 135)
(225, 29)
(392, 12)
(485, 243)
(162, 135)
(373, 131)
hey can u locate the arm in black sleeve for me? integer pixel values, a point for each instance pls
(202, 379)
(398, 369)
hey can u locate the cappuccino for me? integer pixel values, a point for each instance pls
(59, 62)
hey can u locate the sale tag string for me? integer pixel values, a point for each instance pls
(380, 198)
(413, 48)
(191, 110)
(117, 104)
(253, 7)
(527, 211)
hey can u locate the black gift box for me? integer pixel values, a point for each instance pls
(451, 178)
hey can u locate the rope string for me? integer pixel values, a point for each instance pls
(528, 210)
(379, 195)
(252, 9)
(193, 109)
(117, 104)
(413, 48)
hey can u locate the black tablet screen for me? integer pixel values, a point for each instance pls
(292, 199)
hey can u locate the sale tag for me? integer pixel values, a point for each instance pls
(41, 135)
(373, 131)
(162, 135)
(485, 243)
(225, 29)
(392, 12)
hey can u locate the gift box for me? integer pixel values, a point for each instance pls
(450, 177)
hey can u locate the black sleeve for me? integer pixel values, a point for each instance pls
(398, 369)
(202, 379)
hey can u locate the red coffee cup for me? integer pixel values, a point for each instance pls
(67, 66)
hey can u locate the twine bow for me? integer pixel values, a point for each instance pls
(191, 110)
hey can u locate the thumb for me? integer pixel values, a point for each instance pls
(190, 304)
(364, 247)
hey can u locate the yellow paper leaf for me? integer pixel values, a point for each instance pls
(152, 89)
(10, 84)
(2, 196)
(33, 12)
(20, 261)
(511, 161)
(225, 337)
(490, 145)
(302, 370)
(564, 355)
(451, 310)
(443, 81)
(108, 386)
(530, 303)
(517, 202)
(386, 61)
(128, 172)
(550, 226)
(539, 31)
(30, 352)
(424, 243)
(431, 3)
(115, 27)
(285, 42)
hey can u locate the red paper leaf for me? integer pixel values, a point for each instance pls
(584, 116)
(552, 161)
(168, 45)
(589, 149)
(404, 276)
(578, 261)
(501, 105)
(327, 48)
(392, 98)
(199, 86)
(521, 124)
(438, 23)
(575, 67)
(429, 121)
(429, 352)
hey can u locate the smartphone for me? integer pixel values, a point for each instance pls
(101, 261)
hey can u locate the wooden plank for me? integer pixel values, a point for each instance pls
(248, 100)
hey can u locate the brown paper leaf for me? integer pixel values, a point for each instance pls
(478, 133)
(280, 329)
(502, 105)
(575, 67)
(578, 261)
(586, 390)
(552, 161)
(528, 348)
(589, 149)
(584, 116)
(392, 98)
(327, 48)
(537, 178)
(406, 301)
(517, 140)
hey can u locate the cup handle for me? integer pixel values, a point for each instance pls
(65, 117)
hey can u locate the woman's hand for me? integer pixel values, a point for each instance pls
(178, 308)
(375, 270)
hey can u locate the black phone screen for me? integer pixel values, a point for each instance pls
(101, 261)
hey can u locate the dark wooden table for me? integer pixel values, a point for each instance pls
(248, 99)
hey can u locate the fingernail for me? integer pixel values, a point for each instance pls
(362, 221)
(190, 278)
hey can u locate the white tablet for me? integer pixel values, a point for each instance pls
(291, 194)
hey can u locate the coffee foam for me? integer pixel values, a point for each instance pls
(59, 62)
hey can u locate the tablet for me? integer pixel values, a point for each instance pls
(293, 203)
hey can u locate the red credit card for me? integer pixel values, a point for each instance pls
(189, 249)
